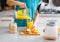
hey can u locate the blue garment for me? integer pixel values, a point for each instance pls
(31, 5)
(17, 7)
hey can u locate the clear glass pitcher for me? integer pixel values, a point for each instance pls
(23, 14)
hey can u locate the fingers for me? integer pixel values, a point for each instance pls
(23, 5)
(33, 27)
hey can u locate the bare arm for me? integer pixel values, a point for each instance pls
(13, 2)
(36, 18)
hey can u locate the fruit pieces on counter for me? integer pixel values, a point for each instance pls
(29, 32)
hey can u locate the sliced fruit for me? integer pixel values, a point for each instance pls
(22, 32)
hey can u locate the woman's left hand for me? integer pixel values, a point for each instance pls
(22, 5)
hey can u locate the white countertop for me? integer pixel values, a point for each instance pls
(5, 36)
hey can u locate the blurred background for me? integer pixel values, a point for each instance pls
(5, 6)
(48, 10)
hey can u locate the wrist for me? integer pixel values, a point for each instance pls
(19, 3)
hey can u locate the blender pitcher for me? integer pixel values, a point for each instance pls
(22, 14)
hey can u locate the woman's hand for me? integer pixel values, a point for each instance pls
(13, 2)
(33, 27)
(22, 5)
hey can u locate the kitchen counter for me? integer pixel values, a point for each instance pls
(9, 13)
(5, 36)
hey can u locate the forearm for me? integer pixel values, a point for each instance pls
(36, 18)
(13, 2)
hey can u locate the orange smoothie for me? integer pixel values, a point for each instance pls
(29, 25)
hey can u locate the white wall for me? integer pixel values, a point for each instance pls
(50, 6)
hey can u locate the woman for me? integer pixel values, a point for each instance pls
(31, 4)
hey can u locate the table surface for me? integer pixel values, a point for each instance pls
(5, 36)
